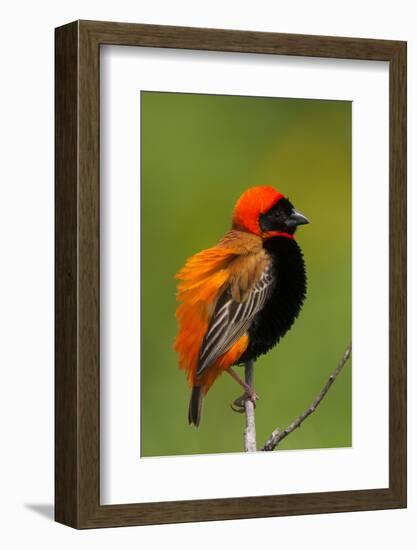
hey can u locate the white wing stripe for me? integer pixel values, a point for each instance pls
(225, 306)
(217, 322)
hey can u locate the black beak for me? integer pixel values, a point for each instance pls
(296, 218)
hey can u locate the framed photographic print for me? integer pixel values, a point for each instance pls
(230, 274)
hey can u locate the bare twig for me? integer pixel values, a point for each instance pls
(250, 429)
(277, 435)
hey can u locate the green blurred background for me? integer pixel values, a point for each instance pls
(198, 154)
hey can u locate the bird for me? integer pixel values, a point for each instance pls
(238, 298)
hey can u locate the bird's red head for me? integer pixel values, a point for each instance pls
(266, 212)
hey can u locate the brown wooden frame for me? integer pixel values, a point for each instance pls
(77, 372)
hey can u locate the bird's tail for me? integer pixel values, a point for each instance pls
(194, 409)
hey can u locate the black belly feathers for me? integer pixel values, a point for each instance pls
(284, 301)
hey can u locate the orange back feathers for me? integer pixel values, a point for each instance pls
(201, 282)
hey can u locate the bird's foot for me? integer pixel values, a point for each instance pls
(238, 404)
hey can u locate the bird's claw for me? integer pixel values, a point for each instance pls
(237, 408)
(238, 404)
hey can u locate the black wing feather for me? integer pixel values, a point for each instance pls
(231, 319)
